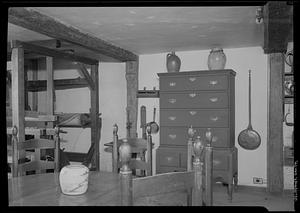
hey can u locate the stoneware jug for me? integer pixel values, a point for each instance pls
(173, 62)
(73, 179)
(216, 59)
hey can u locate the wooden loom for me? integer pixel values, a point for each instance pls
(27, 121)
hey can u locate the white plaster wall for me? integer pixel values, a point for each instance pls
(112, 105)
(250, 163)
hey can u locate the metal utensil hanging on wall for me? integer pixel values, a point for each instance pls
(249, 139)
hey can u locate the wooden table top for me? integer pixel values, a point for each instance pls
(44, 190)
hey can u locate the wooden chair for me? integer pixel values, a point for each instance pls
(20, 167)
(196, 182)
(140, 147)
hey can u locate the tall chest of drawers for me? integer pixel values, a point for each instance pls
(202, 99)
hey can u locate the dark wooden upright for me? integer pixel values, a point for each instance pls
(278, 28)
(132, 101)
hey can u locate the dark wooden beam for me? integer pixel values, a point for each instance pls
(95, 124)
(36, 21)
(59, 84)
(83, 71)
(278, 21)
(18, 104)
(132, 100)
(52, 53)
(275, 123)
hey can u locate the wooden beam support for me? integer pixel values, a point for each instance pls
(53, 53)
(36, 21)
(33, 76)
(275, 123)
(18, 103)
(278, 22)
(50, 86)
(132, 100)
(59, 84)
(83, 72)
(95, 125)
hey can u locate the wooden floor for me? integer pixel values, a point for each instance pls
(243, 196)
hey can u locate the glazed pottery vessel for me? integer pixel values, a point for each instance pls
(173, 62)
(216, 59)
(73, 179)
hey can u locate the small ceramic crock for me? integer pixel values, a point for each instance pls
(73, 179)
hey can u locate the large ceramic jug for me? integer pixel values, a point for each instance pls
(173, 62)
(216, 59)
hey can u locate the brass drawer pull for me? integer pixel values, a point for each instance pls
(213, 99)
(172, 100)
(213, 82)
(192, 79)
(192, 95)
(214, 118)
(214, 139)
(172, 118)
(172, 136)
(193, 112)
(216, 162)
(169, 159)
(172, 84)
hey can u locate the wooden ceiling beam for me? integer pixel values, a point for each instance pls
(278, 22)
(53, 53)
(43, 24)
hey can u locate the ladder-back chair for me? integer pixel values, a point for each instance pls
(20, 167)
(196, 182)
(139, 146)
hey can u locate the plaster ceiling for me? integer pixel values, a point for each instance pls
(148, 30)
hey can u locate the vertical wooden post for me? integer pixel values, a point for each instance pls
(149, 150)
(50, 86)
(18, 106)
(115, 149)
(125, 174)
(191, 133)
(208, 175)
(197, 195)
(94, 112)
(132, 101)
(57, 149)
(275, 125)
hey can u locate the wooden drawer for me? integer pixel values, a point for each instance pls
(194, 100)
(167, 157)
(180, 83)
(178, 136)
(196, 118)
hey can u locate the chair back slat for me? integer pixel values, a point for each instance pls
(162, 184)
(36, 143)
(33, 165)
(20, 166)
